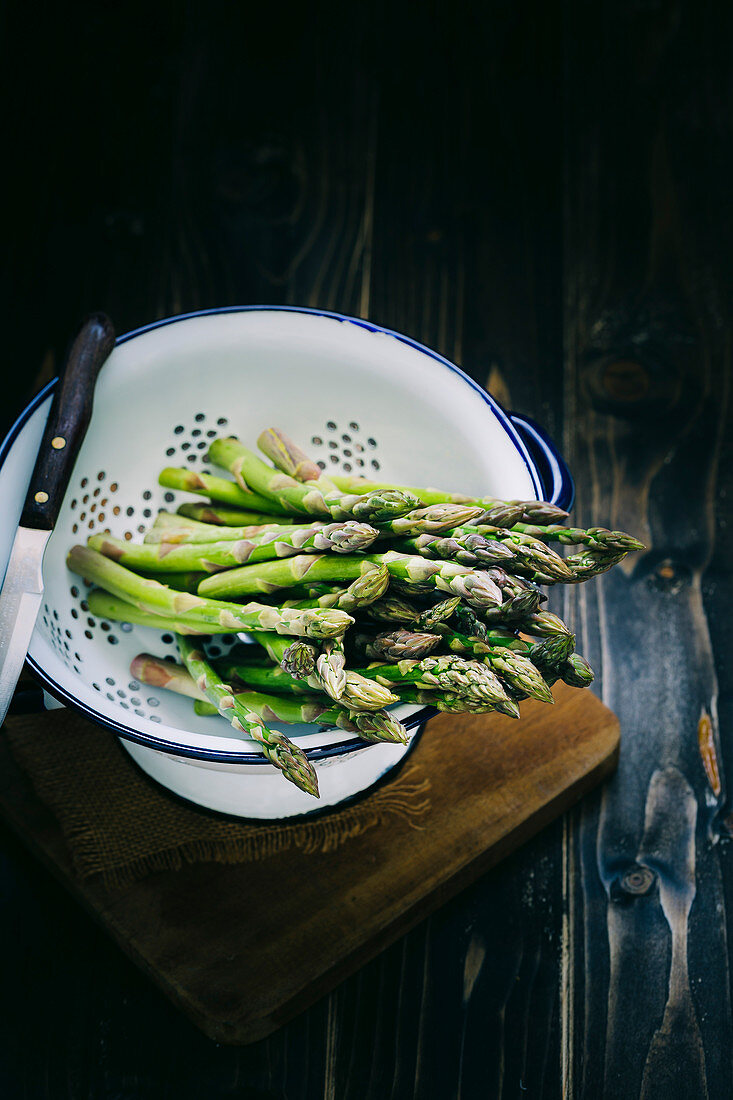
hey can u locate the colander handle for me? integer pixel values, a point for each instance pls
(67, 422)
(557, 482)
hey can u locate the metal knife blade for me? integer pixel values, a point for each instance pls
(20, 600)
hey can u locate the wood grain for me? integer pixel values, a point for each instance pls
(648, 389)
(541, 191)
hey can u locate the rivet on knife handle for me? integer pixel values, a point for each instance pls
(67, 422)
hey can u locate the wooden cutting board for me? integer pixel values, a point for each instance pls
(242, 948)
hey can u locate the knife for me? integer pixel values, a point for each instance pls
(71, 410)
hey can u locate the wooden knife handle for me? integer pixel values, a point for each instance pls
(67, 422)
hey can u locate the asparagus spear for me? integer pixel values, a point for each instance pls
(473, 585)
(468, 549)
(469, 623)
(253, 475)
(195, 611)
(360, 692)
(542, 623)
(163, 673)
(105, 606)
(591, 563)
(218, 488)
(294, 462)
(299, 659)
(444, 701)
(331, 668)
(364, 693)
(440, 612)
(520, 673)
(362, 592)
(532, 557)
(324, 670)
(396, 645)
(278, 748)
(510, 661)
(434, 519)
(597, 538)
(229, 516)
(576, 671)
(547, 655)
(182, 582)
(163, 518)
(470, 679)
(212, 557)
(515, 608)
(189, 530)
(530, 511)
(397, 609)
(372, 725)
(204, 709)
(274, 575)
(393, 609)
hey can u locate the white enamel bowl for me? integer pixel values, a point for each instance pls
(358, 397)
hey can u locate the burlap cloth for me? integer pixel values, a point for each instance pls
(120, 825)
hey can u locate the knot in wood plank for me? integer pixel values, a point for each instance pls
(638, 880)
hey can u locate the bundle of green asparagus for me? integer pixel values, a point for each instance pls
(354, 595)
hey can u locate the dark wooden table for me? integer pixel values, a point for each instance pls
(541, 192)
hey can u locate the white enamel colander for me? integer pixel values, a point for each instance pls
(359, 398)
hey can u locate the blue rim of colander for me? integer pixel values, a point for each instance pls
(323, 752)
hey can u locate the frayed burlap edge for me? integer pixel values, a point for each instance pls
(410, 802)
(79, 771)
